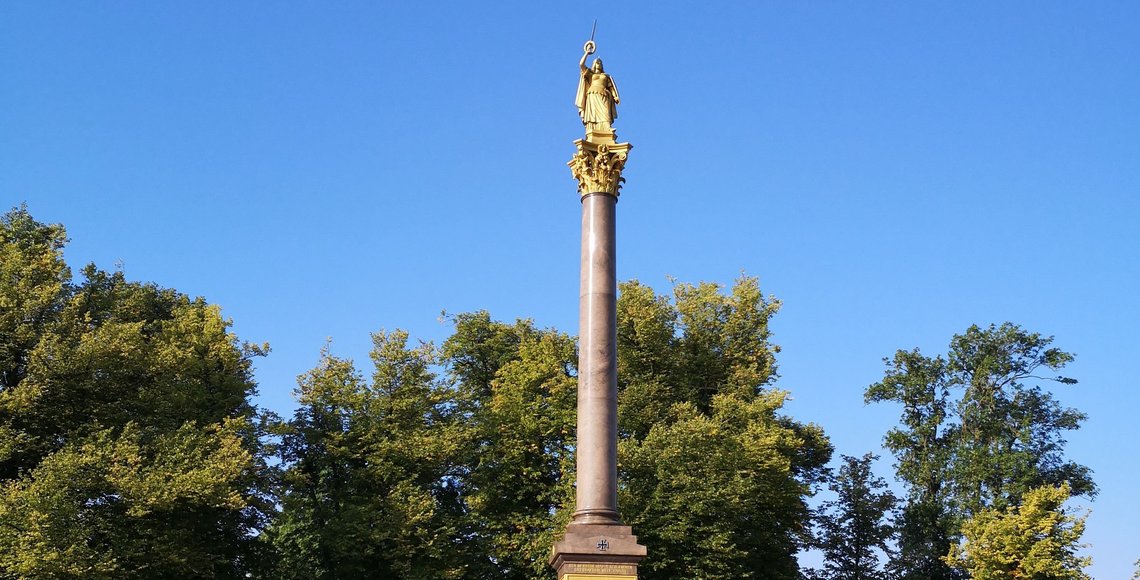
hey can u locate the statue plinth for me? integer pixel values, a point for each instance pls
(601, 136)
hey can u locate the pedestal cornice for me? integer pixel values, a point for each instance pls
(597, 551)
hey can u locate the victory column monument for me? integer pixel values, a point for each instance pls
(597, 545)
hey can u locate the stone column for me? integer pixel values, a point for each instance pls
(597, 545)
(597, 364)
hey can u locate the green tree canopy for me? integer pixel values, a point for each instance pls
(127, 441)
(367, 484)
(418, 474)
(714, 477)
(1036, 539)
(129, 447)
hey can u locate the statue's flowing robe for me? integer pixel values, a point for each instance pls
(596, 106)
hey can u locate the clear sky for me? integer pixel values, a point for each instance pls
(892, 171)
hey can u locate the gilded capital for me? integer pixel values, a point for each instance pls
(598, 166)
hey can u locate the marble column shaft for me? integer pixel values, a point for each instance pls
(597, 364)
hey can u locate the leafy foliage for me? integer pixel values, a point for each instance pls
(118, 506)
(366, 489)
(127, 445)
(716, 479)
(414, 475)
(1036, 539)
(721, 495)
(519, 490)
(924, 448)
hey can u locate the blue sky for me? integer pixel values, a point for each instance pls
(892, 171)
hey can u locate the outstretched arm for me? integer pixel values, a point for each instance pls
(587, 50)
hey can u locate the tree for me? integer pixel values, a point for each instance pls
(414, 475)
(722, 494)
(34, 281)
(715, 477)
(974, 435)
(923, 447)
(121, 504)
(128, 446)
(854, 526)
(1011, 438)
(518, 491)
(367, 487)
(1035, 539)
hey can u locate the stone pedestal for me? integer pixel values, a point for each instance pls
(598, 552)
(597, 545)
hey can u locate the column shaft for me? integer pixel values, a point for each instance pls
(597, 364)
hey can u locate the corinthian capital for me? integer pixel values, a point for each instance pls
(598, 166)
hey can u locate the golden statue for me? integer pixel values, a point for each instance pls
(597, 96)
(600, 159)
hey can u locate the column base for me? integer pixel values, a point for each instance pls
(597, 552)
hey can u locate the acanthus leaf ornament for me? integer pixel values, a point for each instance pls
(598, 167)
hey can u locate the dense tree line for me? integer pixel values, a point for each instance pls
(129, 446)
(457, 461)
